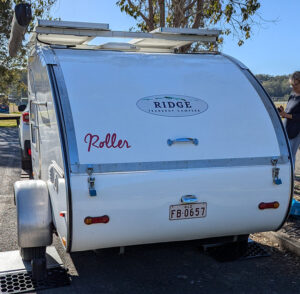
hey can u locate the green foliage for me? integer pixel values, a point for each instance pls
(278, 87)
(12, 79)
(18, 88)
(11, 68)
(234, 17)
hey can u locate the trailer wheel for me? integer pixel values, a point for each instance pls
(31, 253)
(229, 251)
(39, 269)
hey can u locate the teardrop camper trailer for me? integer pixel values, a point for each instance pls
(134, 143)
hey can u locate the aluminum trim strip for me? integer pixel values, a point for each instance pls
(48, 55)
(67, 115)
(51, 59)
(65, 151)
(236, 61)
(170, 165)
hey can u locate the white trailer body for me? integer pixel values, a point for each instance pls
(131, 146)
(101, 122)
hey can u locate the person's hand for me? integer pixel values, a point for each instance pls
(282, 113)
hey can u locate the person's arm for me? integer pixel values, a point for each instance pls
(283, 114)
(295, 115)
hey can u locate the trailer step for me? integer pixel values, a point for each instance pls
(226, 254)
(22, 281)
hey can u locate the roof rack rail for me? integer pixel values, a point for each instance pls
(80, 33)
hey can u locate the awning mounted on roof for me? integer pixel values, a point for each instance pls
(80, 33)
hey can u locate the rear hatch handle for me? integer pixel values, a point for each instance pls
(170, 142)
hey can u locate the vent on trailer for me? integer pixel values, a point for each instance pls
(78, 34)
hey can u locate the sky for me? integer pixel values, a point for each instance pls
(274, 47)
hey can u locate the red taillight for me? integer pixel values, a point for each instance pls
(25, 117)
(96, 220)
(29, 152)
(62, 213)
(266, 205)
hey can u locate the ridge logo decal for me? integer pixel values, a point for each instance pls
(172, 105)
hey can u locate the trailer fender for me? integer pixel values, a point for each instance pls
(34, 218)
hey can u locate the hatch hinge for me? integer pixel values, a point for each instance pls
(275, 172)
(91, 182)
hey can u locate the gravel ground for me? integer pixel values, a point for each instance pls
(163, 268)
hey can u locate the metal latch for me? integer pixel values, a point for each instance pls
(275, 172)
(91, 181)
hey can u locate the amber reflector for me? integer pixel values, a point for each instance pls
(63, 239)
(266, 205)
(96, 220)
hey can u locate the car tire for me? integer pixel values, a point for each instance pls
(229, 251)
(25, 162)
(30, 253)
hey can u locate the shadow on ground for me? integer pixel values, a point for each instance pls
(10, 147)
(178, 268)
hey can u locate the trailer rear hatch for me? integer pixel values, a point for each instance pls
(180, 147)
(127, 94)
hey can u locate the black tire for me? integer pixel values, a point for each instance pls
(26, 164)
(31, 253)
(229, 251)
(25, 161)
(39, 269)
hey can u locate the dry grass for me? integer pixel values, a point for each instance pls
(278, 104)
(8, 123)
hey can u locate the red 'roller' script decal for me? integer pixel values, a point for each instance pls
(110, 141)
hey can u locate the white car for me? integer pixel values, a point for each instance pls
(24, 137)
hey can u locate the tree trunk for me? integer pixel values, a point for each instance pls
(199, 19)
(162, 11)
(151, 16)
(178, 12)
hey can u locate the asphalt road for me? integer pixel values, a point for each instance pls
(165, 268)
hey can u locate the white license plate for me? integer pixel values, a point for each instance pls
(186, 211)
